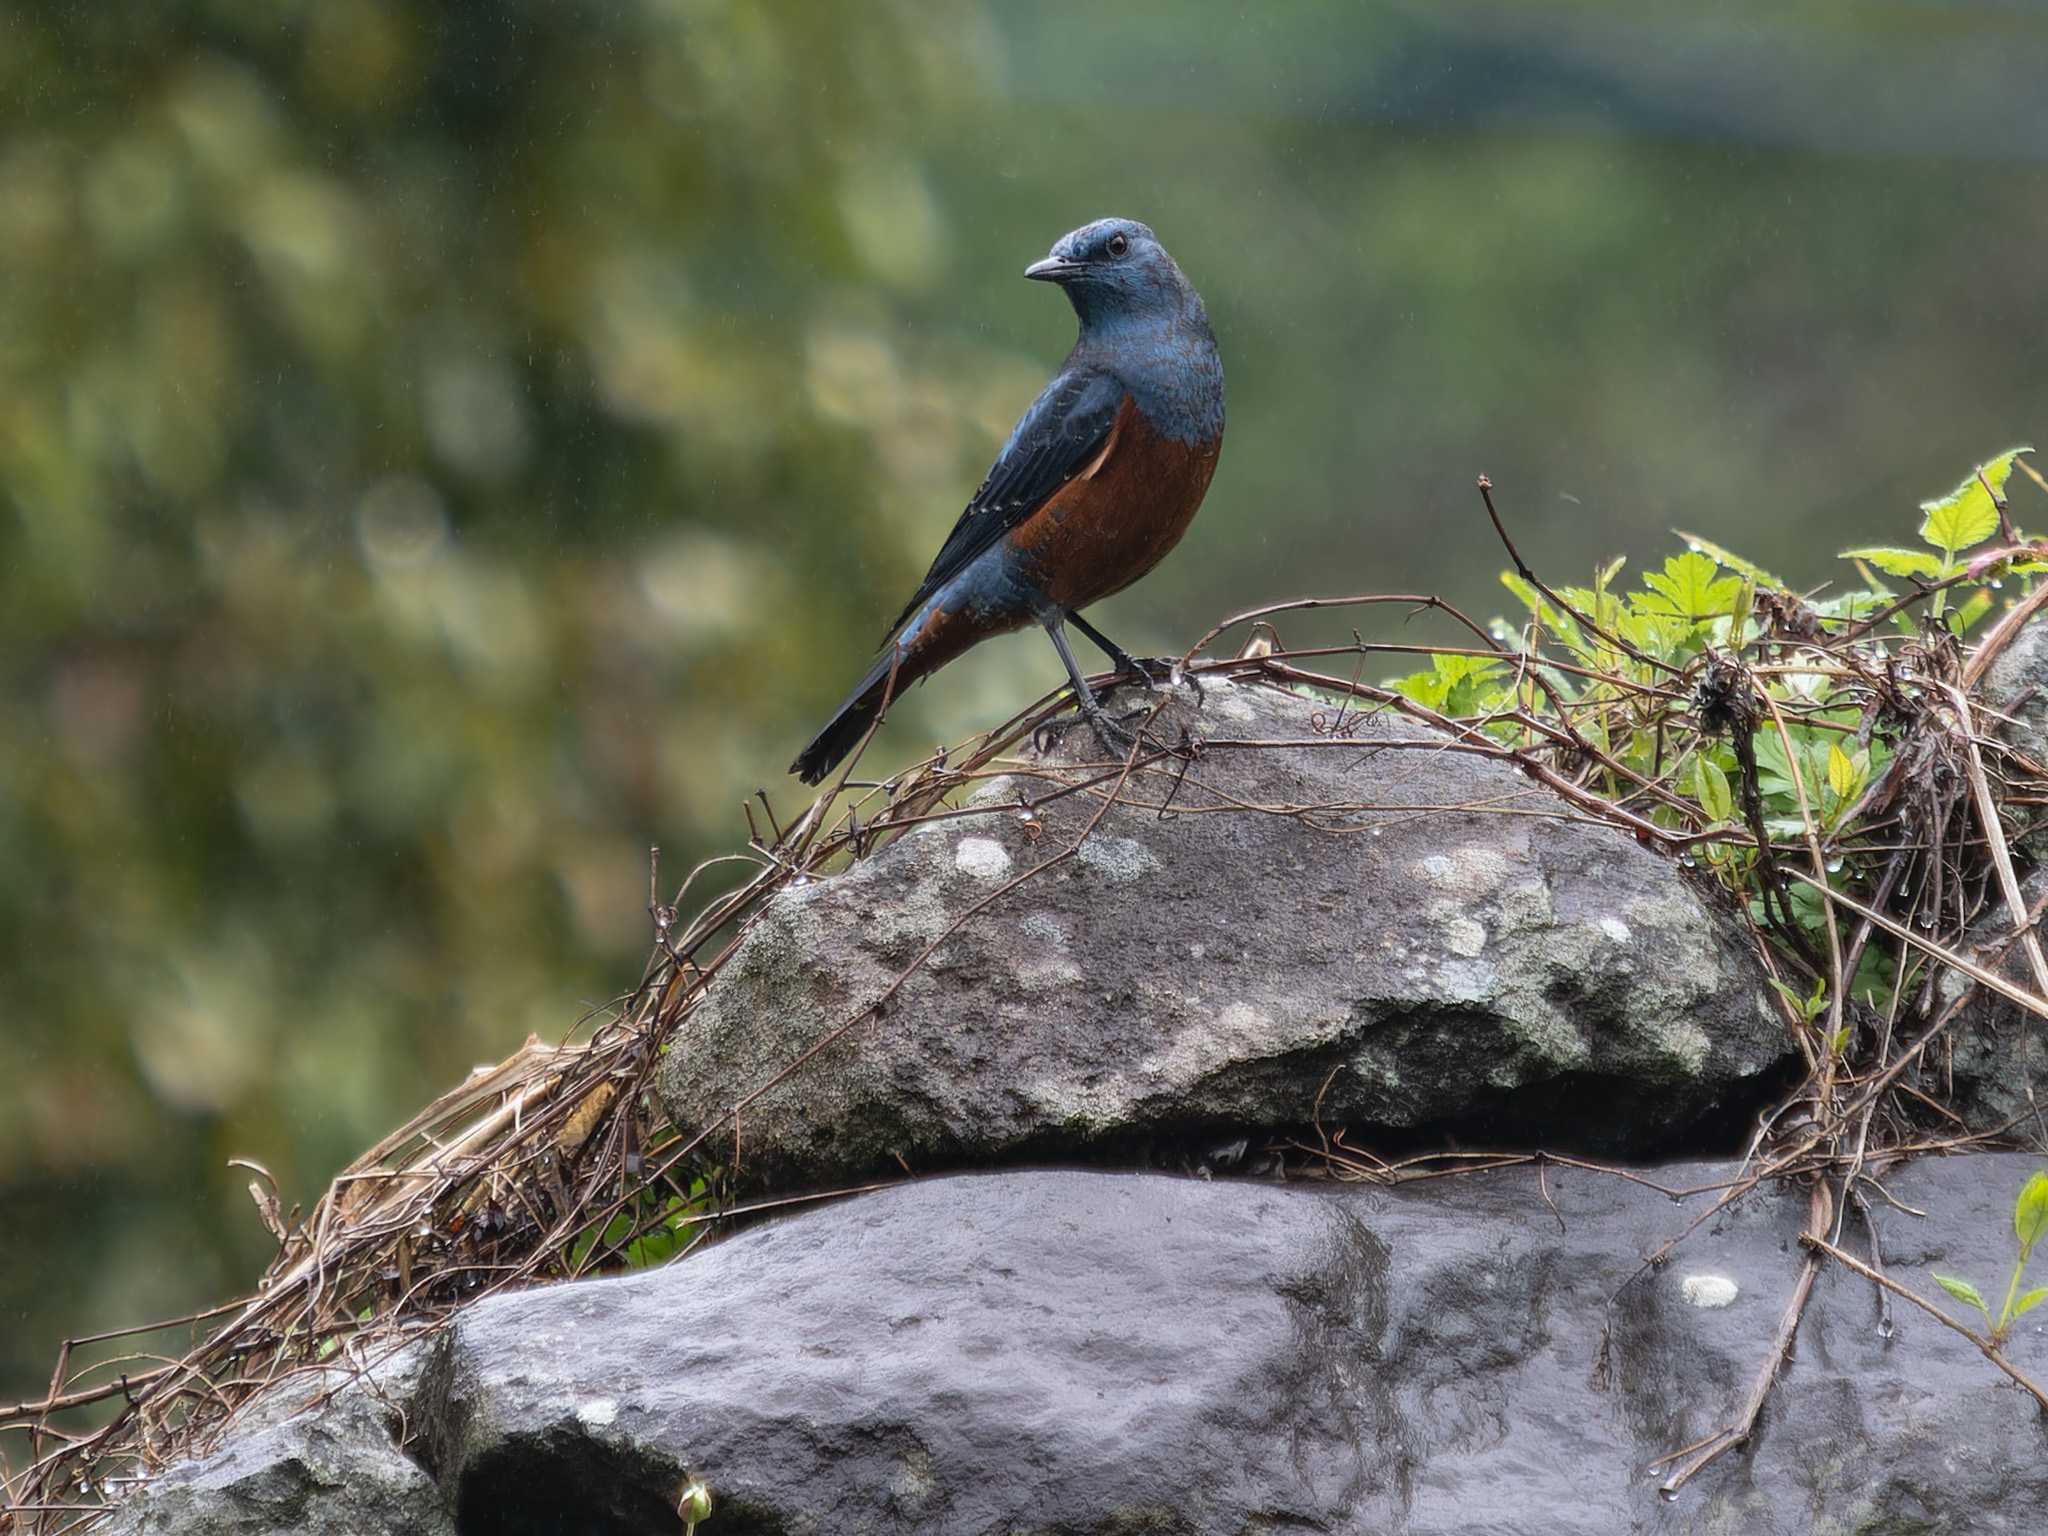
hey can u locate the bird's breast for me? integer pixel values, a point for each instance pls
(1120, 516)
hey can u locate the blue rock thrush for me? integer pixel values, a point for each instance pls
(1098, 481)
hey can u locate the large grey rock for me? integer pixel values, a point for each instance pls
(1094, 1353)
(1439, 939)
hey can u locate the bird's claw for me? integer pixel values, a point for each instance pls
(1115, 737)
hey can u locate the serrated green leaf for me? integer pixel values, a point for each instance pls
(2030, 1211)
(1711, 785)
(1896, 562)
(1736, 563)
(1857, 604)
(1454, 668)
(1969, 514)
(1691, 587)
(1963, 1291)
(1425, 688)
(2030, 1300)
(1465, 681)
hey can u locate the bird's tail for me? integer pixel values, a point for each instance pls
(842, 733)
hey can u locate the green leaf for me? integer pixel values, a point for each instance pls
(1969, 514)
(1691, 587)
(1454, 685)
(2030, 1211)
(2030, 1300)
(1711, 785)
(1774, 770)
(1557, 623)
(1963, 1291)
(1809, 1007)
(1845, 774)
(1425, 688)
(1858, 603)
(1736, 563)
(1896, 562)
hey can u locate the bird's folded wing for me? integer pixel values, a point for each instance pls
(1061, 436)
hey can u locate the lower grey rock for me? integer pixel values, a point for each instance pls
(337, 1468)
(1439, 944)
(1096, 1353)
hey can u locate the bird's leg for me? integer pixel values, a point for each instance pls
(1152, 671)
(1114, 737)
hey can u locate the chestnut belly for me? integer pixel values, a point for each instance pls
(1111, 524)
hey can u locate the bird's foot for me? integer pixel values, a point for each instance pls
(1116, 736)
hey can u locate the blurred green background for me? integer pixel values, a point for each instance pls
(445, 449)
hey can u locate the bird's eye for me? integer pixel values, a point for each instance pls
(1118, 244)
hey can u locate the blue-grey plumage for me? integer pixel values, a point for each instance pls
(1097, 482)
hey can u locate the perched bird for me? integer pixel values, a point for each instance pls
(1098, 481)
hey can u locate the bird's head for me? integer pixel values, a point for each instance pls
(1113, 268)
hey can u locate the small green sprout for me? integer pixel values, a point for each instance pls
(2029, 1225)
(693, 1503)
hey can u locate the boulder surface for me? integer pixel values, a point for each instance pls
(1325, 912)
(1091, 1352)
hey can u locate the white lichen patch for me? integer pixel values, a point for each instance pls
(1049, 966)
(1465, 936)
(1709, 1291)
(1548, 1035)
(1525, 905)
(1455, 980)
(1043, 927)
(1120, 858)
(1684, 1043)
(1210, 1038)
(982, 857)
(1616, 929)
(598, 1413)
(1466, 872)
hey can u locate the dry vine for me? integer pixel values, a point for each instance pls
(558, 1163)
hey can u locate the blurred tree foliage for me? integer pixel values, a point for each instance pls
(444, 449)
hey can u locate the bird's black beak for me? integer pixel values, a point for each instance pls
(1052, 270)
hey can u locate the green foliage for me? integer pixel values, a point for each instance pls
(2029, 1225)
(1455, 685)
(1952, 524)
(648, 1232)
(1690, 586)
(1815, 749)
(1968, 515)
